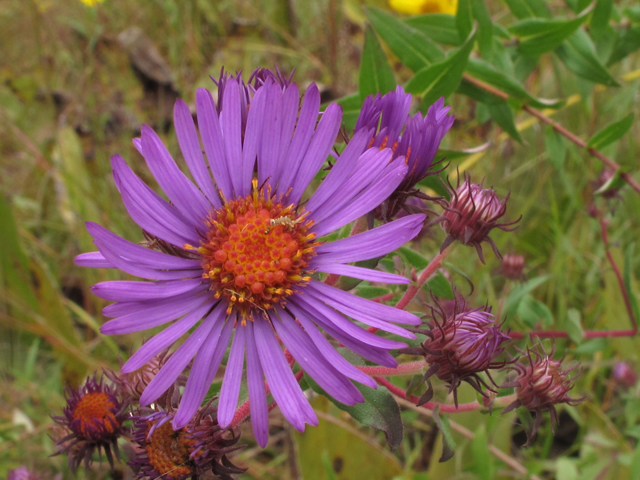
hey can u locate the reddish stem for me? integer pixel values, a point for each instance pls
(403, 369)
(383, 298)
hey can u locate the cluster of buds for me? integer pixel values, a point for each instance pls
(541, 383)
(461, 345)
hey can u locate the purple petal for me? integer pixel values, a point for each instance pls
(182, 193)
(137, 142)
(140, 307)
(301, 137)
(290, 105)
(321, 144)
(252, 139)
(366, 307)
(149, 210)
(372, 243)
(154, 316)
(164, 339)
(313, 363)
(257, 392)
(270, 140)
(284, 387)
(92, 259)
(327, 351)
(232, 379)
(231, 126)
(123, 291)
(192, 152)
(357, 272)
(212, 140)
(178, 361)
(203, 371)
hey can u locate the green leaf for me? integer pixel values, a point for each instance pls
(574, 326)
(376, 74)
(538, 35)
(413, 258)
(555, 146)
(448, 444)
(440, 287)
(611, 133)
(592, 346)
(634, 468)
(464, 18)
(502, 114)
(529, 8)
(379, 410)
(566, 469)
(439, 27)
(482, 459)
(485, 27)
(600, 17)
(367, 291)
(413, 48)
(627, 42)
(579, 55)
(514, 298)
(627, 277)
(486, 72)
(351, 105)
(441, 79)
(532, 312)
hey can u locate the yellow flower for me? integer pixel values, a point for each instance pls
(93, 3)
(417, 7)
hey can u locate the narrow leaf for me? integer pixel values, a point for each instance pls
(376, 74)
(448, 444)
(464, 18)
(413, 48)
(628, 283)
(579, 55)
(539, 35)
(440, 287)
(555, 146)
(485, 27)
(611, 133)
(439, 27)
(600, 17)
(626, 43)
(502, 114)
(529, 8)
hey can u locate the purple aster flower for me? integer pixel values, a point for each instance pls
(460, 345)
(235, 250)
(416, 138)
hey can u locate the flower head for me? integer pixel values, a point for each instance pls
(461, 345)
(470, 214)
(201, 447)
(417, 7)
(22, 473)
(624, 375)
(512, 267)
(232, 255)
(541, 383)
(416, 138)
(92, 420)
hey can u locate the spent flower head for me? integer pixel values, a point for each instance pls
(470, 215)
(92, 420)
(416, 138)
(541, 384)
(230, 257)
(461, 344)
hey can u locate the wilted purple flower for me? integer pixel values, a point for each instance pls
(540, 385)
(416, 138)
(92, 420)
(624, 375)
(460, 345)
(238, 251)
(512, 267)
(199, 448)
(470, 214)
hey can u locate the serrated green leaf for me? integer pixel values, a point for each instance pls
(539, 35)
(441, 79)
(448, 443)
(579, 55)
(379, 410)
(439, 27)
(414, 49)
(555, 146)
(529, 8)
(611, 133)
(627, 42)
(440, 287)
(376, 75)
(485, 27)
(502, 114)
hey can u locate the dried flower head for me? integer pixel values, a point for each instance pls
(512, 267)
(92, 420)
(541, 383)
(387, 122)
(199, 448)
(471, 213)
(461, 345)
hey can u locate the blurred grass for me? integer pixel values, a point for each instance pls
(70, 99)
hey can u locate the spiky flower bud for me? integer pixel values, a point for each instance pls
(512, 267)
(541, 383)
(471, 213)
(92, 420)
(461, 345)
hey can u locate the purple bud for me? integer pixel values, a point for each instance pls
(512, 267)
(624, 375)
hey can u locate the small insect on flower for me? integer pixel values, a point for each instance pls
(540, 385)
(460, 345)
(470, 214)
(92, 420)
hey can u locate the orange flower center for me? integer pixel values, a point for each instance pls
(168, 451)
(94, 411)
(256, 252)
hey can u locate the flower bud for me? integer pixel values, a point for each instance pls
(512, 267)
(624, 375)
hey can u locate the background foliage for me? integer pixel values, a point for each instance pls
(74, 89)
